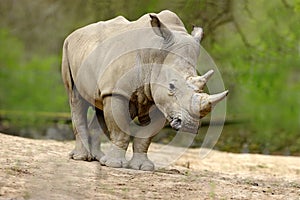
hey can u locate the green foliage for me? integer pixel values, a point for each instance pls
(29, 85)
(263, 74)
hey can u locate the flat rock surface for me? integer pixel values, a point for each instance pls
(41, 169)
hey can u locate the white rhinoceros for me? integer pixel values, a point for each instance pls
(144, 69)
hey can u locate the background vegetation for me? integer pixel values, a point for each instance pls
(256, 46)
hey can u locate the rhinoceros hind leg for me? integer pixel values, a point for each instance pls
(97, 154)
(79, 152)
(117, 119)
(79, 109)
(97, 127)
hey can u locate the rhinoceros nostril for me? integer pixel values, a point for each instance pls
(176, 123)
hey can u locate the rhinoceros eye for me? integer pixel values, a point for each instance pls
(172, 88)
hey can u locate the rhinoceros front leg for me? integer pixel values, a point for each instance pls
(79, 109)
(117, 122)
(140, 159)
(142, 141)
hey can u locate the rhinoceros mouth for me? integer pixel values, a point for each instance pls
(190, 127)
(188, 124)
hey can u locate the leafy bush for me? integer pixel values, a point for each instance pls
(29, 85)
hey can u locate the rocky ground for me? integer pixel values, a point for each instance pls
(41, 169)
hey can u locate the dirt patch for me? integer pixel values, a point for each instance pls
(40, 169)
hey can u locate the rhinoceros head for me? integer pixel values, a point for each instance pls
(177, 90)
(180, 99)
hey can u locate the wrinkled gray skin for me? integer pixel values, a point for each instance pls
(158, 81)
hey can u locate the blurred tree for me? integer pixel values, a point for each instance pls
(259, 50)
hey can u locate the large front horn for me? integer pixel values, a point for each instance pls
(215, 98)
(202, 103)
(199, 82)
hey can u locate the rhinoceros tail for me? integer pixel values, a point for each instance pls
(65, 68)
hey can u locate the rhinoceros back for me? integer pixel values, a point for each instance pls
(101, 53)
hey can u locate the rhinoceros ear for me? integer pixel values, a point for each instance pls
(197, 33)
(160, 29)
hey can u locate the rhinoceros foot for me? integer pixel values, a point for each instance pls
(97, 154)
(114, 162)
(141, 162)
(80, 154)
(114, 158)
